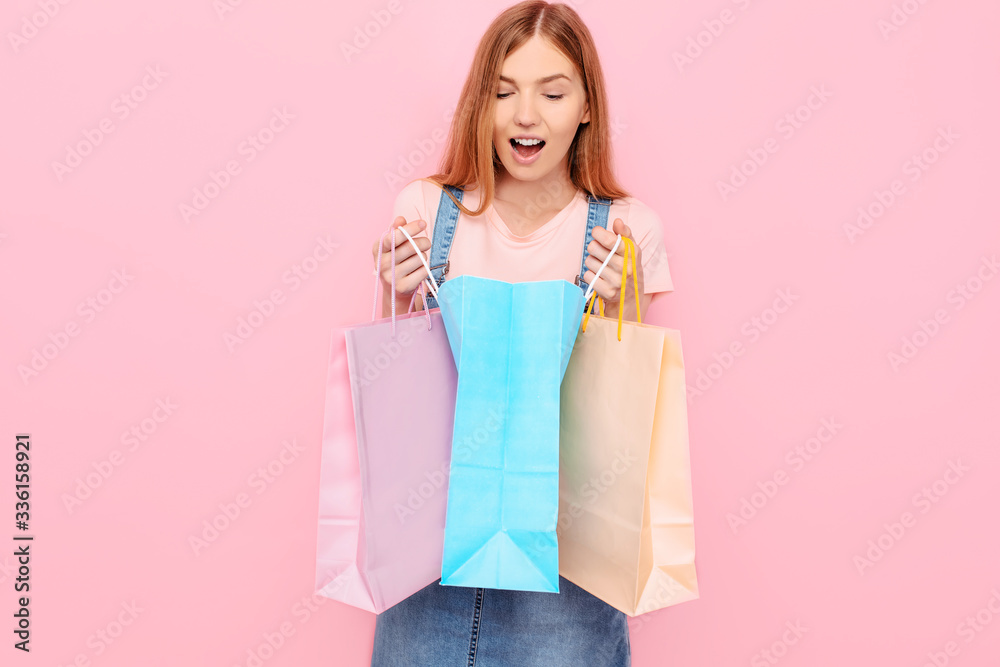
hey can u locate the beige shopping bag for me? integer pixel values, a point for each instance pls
(626, 520)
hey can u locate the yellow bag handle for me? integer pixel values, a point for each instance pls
(629, 257)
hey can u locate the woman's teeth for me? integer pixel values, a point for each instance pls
(527, 147)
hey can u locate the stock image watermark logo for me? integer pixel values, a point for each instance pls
(712, 29)
(264, 309)
(406, 165)
(121, 108)
(796, 458)
(786, 127)
(370, 30)
(927, 329)
(132, 438)
(104, 637)
(419, 496)
(271, 642)
(968, 629)
(778, 649)
(914, 167)
(591, 491)
(302, 610)
(370, 370)
(59, 340)
(230, 511)
(667, 591)
(423, 150)
(555, 192)
(7, 569)
(899, 16)
(32, 24)
(224, 7)
(248, 149)
(599, 484)
(923, 500)
(752, 329)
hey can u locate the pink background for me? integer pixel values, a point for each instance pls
(161, 334)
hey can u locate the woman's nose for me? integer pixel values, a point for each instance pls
(527, 112)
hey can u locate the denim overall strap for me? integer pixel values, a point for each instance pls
(447, 218)
(597, 214)
(444, 233)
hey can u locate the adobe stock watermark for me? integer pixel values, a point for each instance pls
(423, 149)
(712, 30)
(752, 329)
(786, 127)
(230, 511)
(417, 497)
(104, 637)
(899, 16)
(796, 458)
(778, 649)
(968, 629)
(408, 331)
(121, 108)
(303, 610)
(132, 438)
(32, 24)
(365, 34)
(927, 330)
(407, 164)
(88, 309)
(248, 149)
(225, 7)
(667, 590)
(8, 569)
(575, 3)
(923, 500)
(264, 309)
(591, 491)
(914, 167)
(462, 451)
(556, 192)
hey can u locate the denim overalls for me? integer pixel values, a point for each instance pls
(444, 234)
(459, 626)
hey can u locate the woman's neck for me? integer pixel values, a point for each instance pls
(534, 202)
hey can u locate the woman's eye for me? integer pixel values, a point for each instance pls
(554, 97)
(502, 96)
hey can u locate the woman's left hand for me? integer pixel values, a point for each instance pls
(609, 285)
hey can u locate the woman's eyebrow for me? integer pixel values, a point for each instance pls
(544, 79)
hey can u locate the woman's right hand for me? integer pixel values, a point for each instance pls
(410, 270)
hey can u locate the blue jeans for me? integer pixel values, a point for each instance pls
(457, 626)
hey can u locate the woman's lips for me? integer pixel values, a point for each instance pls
(525, 154)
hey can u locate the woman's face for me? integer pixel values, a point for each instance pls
(540, 95)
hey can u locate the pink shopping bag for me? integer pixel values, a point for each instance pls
(386, 453)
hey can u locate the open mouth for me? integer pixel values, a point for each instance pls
(526, 151)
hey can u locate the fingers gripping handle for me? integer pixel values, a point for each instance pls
(590, 287)
(630, 255)
(427, 283)
(429, 280)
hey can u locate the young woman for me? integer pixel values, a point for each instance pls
(526, 192)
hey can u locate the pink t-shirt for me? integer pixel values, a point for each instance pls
(483, 245)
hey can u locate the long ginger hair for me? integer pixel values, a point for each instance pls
(470, 158)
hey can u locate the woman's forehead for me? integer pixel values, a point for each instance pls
(535, 59)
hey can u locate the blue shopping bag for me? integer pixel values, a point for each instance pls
(511, 343)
